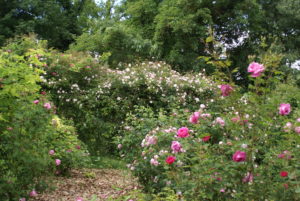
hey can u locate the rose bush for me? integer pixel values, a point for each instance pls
(236, 147)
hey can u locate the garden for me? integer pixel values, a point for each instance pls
(149, 100)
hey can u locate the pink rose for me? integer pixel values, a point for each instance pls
(119, 146)
(284, 109)
(170, 159)
(47, 106)
(36, 101)
(33, 193)
(78, 147)
(281, 155)
(239, 156)
(235, 119)
(57, 162)
(79, 199)
(183, 132)
(151, 140)
(226, 89)
(176, 146)
(195, 117)
(297, 129)
(298, 120)
(22, 199)
(255, 69)
(248, 177)
(51, 152)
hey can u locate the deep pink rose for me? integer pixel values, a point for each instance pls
(226, 89)
(239, 156)
(206, 138)
(170, 159)
(176, 146)
(284, 174)
(255, 69)
(284, 109)
(36, 101)
(195, 117)
(183, 132)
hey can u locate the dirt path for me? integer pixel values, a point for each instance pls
(106, 184)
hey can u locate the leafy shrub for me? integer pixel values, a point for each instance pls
(27, 133)
(236, 147)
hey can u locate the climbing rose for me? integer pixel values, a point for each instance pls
(33, 193)
(176, 146)
(57, 162)
(36, 101)
(226, 89)
(47, 106)
(239, 156)
(206, 138)
(255, 69)
(51, 152)
(194, 117)
(170, 159)
(183, 132)
(284, 109)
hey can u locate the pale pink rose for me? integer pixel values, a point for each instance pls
(297, 129)
(183, 132)
(119, 146)
(22, 199)
(222, 190)
(220, 121)
(79, 199)
(239, 156)
(47, 106)
(235, 119)
(284, 109)
(205, 115)
(154, 162)
(57, 162)
(33, 193)
(9, 128)
(195, 117)
(36, 101)
(248, 178)
(51, 152)
(288, 126)
(255, 69)
(226, 89)
(176, 146)
(151, 140)
(298, 120)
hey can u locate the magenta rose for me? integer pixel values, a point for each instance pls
(226, 89)
(183, 132)
(239, 156)
(255, 69)
(284, 109)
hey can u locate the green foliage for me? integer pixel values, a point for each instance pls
(29, 130)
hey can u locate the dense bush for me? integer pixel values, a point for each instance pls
(98, 98)
(234, 147)
(33, 141)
